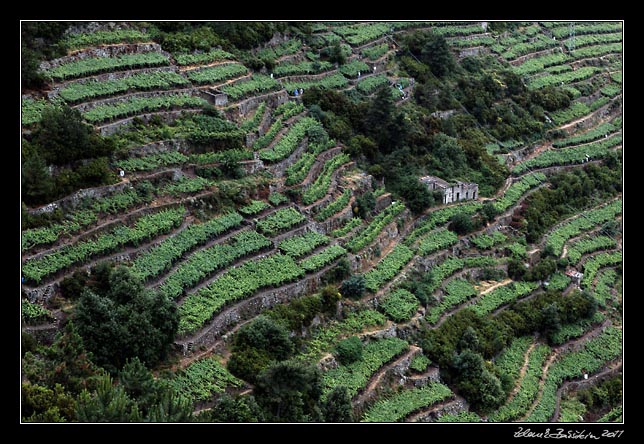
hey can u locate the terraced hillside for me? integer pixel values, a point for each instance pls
(257, 208)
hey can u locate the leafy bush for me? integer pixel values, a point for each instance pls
(349, 350)
(353, 287)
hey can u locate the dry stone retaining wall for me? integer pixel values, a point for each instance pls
(105, 51)
(162, 146)
(84, 107)
(165, 116)
(452, 408)
(250, 308)
(73, 200)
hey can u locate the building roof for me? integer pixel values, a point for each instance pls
(436, 180)
(467, 184)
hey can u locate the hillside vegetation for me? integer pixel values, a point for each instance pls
(225, 222)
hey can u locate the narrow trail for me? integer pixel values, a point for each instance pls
(547, 146)
(242, 260)
(317, 166)
(127, 251)
(446, 315)
(453, 400)
(521, 59)
(226, 313)
(583, 119)
(554, 355)
(187, 68)
(158, 203)
(226, 82)
(542, 381)
(376, 378)
(115, 75)
(185, 361)
(383, 253)
(104, 127)
(611, 369)
(508, 182)
(544, 237)
(328, 196)
(495, 286)
(89, 105)
(158, 280)
(286, 126)
(522, 372)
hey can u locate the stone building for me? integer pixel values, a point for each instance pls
(454, 192)
(221, 99)
(212, 94)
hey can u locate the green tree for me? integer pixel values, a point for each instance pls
(72, 285)
(43, 404)
(127, 321)
(364, 204)
(237, 409)
(490, 392)
(448, 157)
(470, 340)
(330, 298)
(99, 278)
(290, 392)
(341, 271)
(315, 111)
(416, 195)
(246, 363)
(28, 344)
(516, 269)
(30, 75)
(432, 50)
(317, 134)
(336, 55)
(138, 382)
(353, 287)
(461, 223)
(63, 136)
(40, 40)
(109, 403)
(37, 182)
(381, 121)
(550, 320)
(468, 365)
(256, 345)
(124, 286)
(361, 145)
(577, 305)
(44, 37)
(264, 333)
(489, 211)
(349, 350)
(481, 388)
(542, 270)
(337, 407)
(66, 363)
(170, 407)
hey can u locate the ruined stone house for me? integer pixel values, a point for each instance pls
(453, 192)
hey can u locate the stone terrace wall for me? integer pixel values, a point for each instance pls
(162, 146)
(250, 308)
(73, 200)
(166, 116)
(84, 107)
(109, 76)
(104, 51)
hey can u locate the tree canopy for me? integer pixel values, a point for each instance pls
(125, 321)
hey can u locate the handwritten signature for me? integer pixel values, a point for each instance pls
(566, 434)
